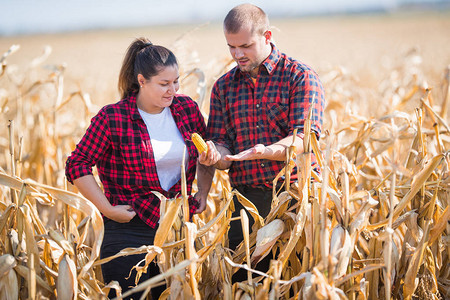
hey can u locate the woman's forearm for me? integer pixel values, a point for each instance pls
(222, 164)
(89, 188)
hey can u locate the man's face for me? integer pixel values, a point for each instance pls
(249, 50)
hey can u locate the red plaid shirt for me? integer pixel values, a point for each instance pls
(118, 143)
(243, 113)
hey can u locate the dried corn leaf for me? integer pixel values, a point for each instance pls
(159, 278)
(130, 251)
(362, 215)
(10, 210)
(439, 226)
(25, 273)
(411, 279)
(296, 231)
(80, 203)
(59, 238)
(416, 185)
(251, 208)
(162, 232)
(191, 254)
(31, 246)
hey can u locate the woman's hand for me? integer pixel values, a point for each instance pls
(202, 200)
(89, 188)
(120, 213)
(210, 157)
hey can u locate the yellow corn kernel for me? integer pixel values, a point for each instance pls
(199, 143)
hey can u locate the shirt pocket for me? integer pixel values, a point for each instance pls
(278, 118)
(132, 157)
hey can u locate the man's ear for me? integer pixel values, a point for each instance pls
(268, 36)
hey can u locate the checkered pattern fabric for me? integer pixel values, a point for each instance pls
(244, 113)
(118, 144)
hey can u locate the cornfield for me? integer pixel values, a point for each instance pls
(373, 225)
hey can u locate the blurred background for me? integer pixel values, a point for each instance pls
(367, 53)
(51, 16)
(363, 38)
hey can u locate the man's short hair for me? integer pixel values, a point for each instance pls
(246, 15)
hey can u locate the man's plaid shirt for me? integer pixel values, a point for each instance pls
(244, 113)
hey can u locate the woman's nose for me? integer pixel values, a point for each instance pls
(172, 89)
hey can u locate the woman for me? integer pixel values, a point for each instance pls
(137, 145)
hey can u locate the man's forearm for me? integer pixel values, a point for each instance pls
(277, 151)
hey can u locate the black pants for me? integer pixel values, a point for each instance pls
(262, 199)
(127, 235)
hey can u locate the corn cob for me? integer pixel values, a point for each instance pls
(199, 143)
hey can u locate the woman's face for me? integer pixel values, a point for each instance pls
(157, 92)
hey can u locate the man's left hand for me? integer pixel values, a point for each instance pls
(258, 151)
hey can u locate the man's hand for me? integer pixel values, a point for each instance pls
(259, 151)
(120, 213)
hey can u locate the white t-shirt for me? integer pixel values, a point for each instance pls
(168, 146)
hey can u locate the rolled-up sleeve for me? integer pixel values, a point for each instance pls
(306, 92)
(90, 149)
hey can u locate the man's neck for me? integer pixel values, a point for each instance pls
(254, 73)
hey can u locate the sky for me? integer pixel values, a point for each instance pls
(51, 16)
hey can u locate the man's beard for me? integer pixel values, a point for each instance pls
(250, 67)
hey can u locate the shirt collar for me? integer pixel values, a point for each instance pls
(269, 63)
(133, 106)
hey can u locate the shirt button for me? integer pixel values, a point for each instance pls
(257, 126)
(257, 105)
(262, 165)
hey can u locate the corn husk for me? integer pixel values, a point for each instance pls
(266, 238)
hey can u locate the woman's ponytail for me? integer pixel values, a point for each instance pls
(144, 58)
(127, 81)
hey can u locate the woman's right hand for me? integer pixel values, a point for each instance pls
(120, 213)
(89, 188)
(210, 157)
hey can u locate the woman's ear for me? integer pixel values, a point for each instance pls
(140, 79)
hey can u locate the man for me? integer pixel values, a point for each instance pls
(254, 110)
